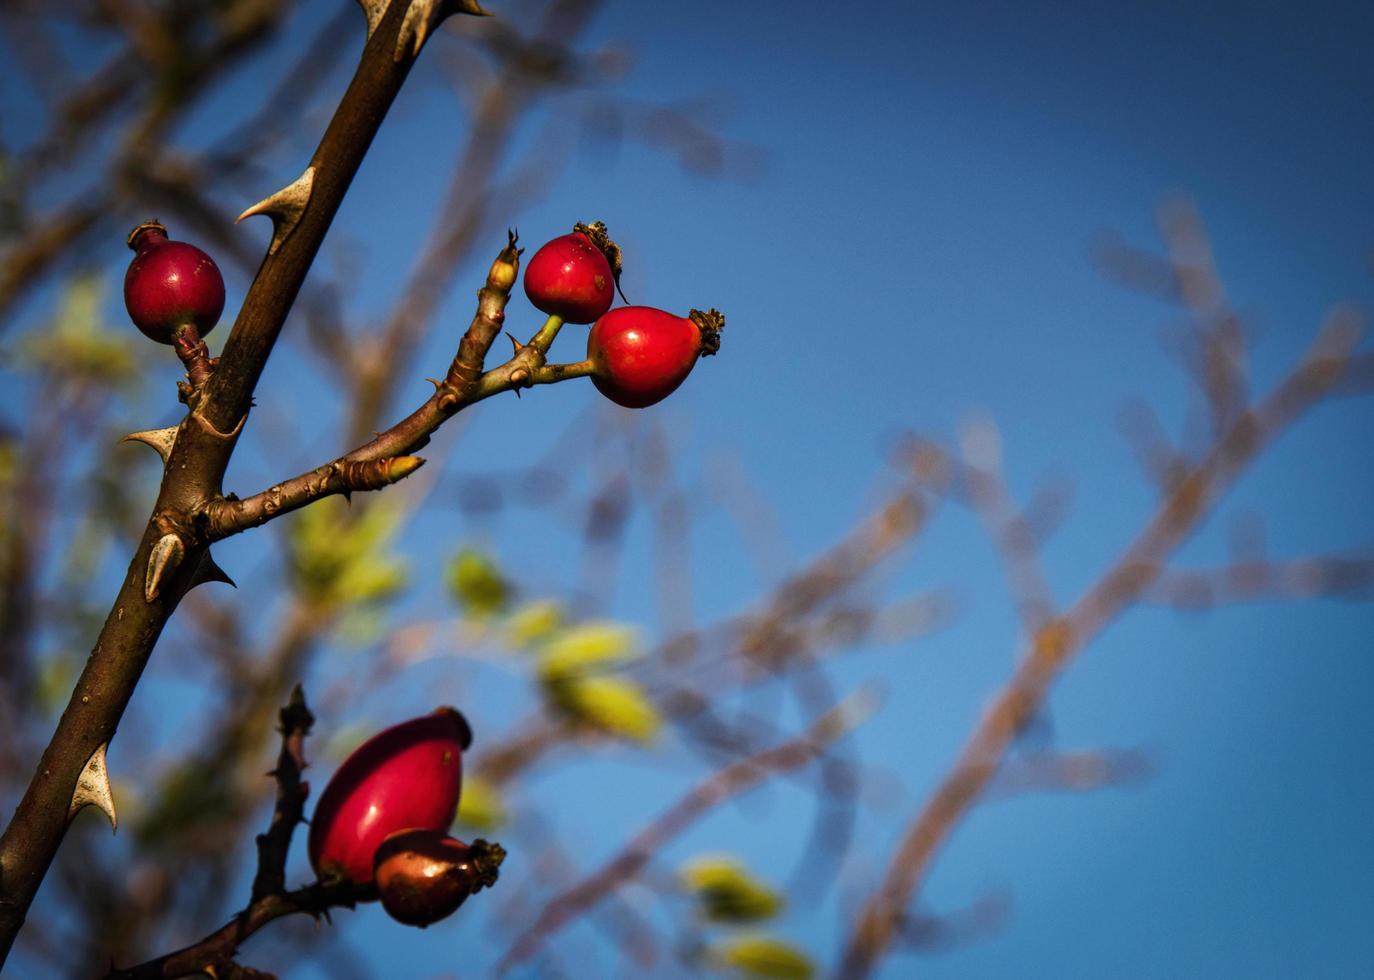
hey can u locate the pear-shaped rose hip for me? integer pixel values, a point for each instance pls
(574, 277)
(406, 777)
(640, 355)
(422, 875)
(171, 286)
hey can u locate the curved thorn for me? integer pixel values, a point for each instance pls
(161, 440)
(422, 16)
(93, 788)
(373, 10)
(285, 208)
(209, 571)
(167, 555)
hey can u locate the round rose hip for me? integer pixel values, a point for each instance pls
(640, 354)
(423, 876)
(574, 276)
(406, 777)
(171, 286)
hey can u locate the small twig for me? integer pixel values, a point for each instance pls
(383, 461)
(270, 900)
(217, 950)
(292, 791)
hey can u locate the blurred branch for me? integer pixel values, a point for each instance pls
(1055, 645)
(1324, 576)
(718, 788)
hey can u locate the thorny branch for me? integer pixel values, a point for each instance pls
(214, 955)
(193, 474)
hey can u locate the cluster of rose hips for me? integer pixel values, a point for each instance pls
(382, 820)
(639, 355)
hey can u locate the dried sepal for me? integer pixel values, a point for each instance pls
(166, 556)
(422, 16)
(161, 440)
(285, 208)
(93, 788)
(601, 238)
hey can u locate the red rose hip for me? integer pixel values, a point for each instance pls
(406, 777)
(574, 277)
(640, 354)
(171, 286)
(423, 876)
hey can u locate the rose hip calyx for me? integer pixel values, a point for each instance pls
(574, 277)
(406, 777)
(423, 876)
(640, 355)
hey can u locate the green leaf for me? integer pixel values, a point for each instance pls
(76, 345)
(616, 706)
(481, 806)
(341, 556)
(727, 892)
(762, 956)
(533, 623)
(477, 584)
(587, 648)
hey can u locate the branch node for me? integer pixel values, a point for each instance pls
(209, 427)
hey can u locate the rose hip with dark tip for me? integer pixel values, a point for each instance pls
(423, 876)
(640, 354)
(574, 276)
(171, 285)
(406, 777)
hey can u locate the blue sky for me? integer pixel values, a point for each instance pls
(913, 251)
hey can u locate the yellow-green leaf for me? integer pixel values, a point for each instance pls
(76, 342)
(481, 806)
(341, 556)
(727, 892)
(477, 583)
(762, 956)
(586, 648)
(614, 705)
(533, 623)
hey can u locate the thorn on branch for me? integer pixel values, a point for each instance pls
(161, 440)
(209, 571)
(166, 556)
(423, 16)
(285, 207)
(93, 788)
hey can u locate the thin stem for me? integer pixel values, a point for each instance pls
(543, 340)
